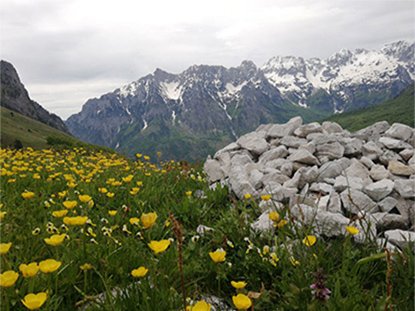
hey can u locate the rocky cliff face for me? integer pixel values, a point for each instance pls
(330, 177)
(15, 97)
(219, 104)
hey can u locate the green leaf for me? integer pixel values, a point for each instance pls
(371, 258)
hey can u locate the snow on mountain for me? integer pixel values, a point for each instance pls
(228, 102)
(172, 90)
(297, 78)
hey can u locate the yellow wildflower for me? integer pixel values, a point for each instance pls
(110, 194)
(60, 213)
(201, 305)
(2, 214)
(8, 278)
(139, 272)
(218, 255)
(5, 247)
(28, 195)
(159, 246)
(352, 230)
(134, 220)
(266, 197)
(247, 196)
(49, 265)
(62, 194)
(75, 221)
(274, 216)
(55, 239)
(282, 223)
(148, 219)
(239, 284)
(128, 178)
(309, 240)
(85, 267)
(112, 212)
(70, 204)
(241, 302)
(84, 198)
(29, 270)
(34, 301)
(294, 261)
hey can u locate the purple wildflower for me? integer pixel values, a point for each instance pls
(318, 288)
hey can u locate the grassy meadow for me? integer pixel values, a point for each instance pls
(89, 230)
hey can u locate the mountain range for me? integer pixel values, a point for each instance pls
(192, 114)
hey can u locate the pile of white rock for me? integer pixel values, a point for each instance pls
(330, 177)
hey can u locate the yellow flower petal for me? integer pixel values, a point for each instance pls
(309, 240)
(239, 284)
(352, 230)
(218, 256)
(34, 301)
(5, 247)
(159, 246)
(139, 272)
(241, 302)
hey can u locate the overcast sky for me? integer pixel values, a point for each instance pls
(67, 51)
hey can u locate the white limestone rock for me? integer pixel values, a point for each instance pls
(405, 188)
(332, 150)
(379, 190)
(254, 142)
(400, 238)
(303, 156)
(356, 201)
(213, 170)
(399, 131)
(398, 168)
(282, 130)
(306, 129)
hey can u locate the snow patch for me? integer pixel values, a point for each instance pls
(145, 125)
(172, 90)
(232, 89)
(128, 90)
(173, 116)
(128, 111)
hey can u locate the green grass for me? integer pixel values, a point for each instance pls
(32, 133)
(399, 109)
(114, 246)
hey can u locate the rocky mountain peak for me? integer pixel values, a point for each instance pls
(14, 96)
(340, 58)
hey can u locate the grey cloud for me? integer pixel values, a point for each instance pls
(64, 62)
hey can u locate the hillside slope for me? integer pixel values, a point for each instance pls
(399, 109)
(31, 133)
